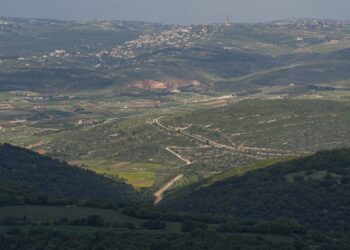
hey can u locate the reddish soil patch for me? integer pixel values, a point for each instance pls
(5, 106)
(169, 85)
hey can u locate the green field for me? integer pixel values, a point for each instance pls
(127, 143)
(227, 95)
(49, 214)
(140, 175)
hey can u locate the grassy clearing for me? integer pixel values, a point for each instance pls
(242, 170)
(139, 175)
(48, 214)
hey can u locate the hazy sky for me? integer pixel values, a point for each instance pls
(177, 11)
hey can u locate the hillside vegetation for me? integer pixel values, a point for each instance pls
(213, 118)
(21, 167)
(41, 207)
(89, 92)
(60, 56)
(314, 190)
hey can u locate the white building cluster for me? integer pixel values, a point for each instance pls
(177, 37)
(59, 53)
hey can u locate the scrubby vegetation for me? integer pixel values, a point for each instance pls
(313, 190)
(213, 121)
(35, 217)
(43, 239)
(22, 167)
(66, 91)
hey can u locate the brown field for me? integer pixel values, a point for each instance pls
(144, 104)
(5, 106)
(41, 151)
(175, 84)
(37, 144)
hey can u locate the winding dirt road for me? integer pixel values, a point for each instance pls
(252, 152)
(158, 196)
(160, 193)
(188, 162)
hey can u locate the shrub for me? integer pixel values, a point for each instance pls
(190, 226)
(123, 224)
(95, 221)
(154, 225)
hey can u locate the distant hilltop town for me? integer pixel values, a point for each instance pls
(156, 37)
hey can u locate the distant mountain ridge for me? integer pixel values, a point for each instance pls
(112, 54)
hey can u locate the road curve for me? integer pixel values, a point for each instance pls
(188, 162)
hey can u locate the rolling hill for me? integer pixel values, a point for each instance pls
(25, 223)
(314, 190)
(179, 111)
(59, 56)
(24, 173)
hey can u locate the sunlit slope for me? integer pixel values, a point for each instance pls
(314, 190)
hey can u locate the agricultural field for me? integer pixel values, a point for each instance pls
(152, 136)
(194, 135)
(159, 104)
(49, 214)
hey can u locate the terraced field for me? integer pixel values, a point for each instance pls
(150, 112)
(193, 135)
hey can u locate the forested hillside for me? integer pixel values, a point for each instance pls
(21, 167)
(314, 190)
